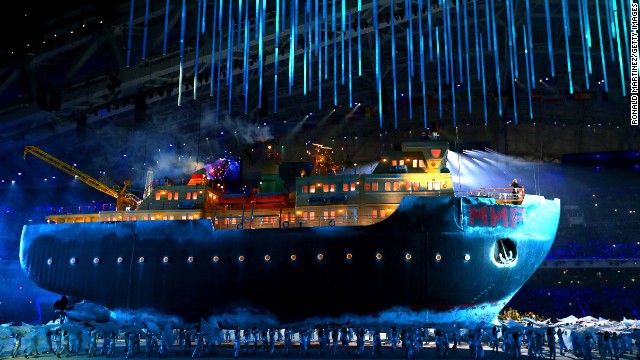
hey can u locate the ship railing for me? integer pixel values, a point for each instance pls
(274, 222)
(500, 194)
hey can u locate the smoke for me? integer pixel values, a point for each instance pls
(245, 132)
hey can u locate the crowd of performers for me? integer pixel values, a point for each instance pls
(199, 340)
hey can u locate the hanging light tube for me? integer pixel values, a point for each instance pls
(359, 41)
(304, 52)
(410, 18)
(530, 43)
(409, 81)
(489, 29)
(246, 58)
(219, 61)
(393, 66)
(275, 61)
(377, 50)
(526, 59)
(240, 21)
(466, 45)
(484, 87)
(566, 40)
(325, 19)
(166, 28)
(459, 37)
(335, 53)
(146, 28)
(439, 82)
(182, 26)
(604, 67)
(618, 41)
(342, 28)
(230, 66)
(229, 44)
(130, 30)
(585, 50)
(475, 23)
(546, 12)
(495, 56)
(213, 45)
(260, 20)
(350, 68)
(445, 39)
(195, 61)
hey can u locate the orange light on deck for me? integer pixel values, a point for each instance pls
(388, 209)
(298, 212)
(340, 211)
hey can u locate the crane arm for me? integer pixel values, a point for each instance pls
(73, 171)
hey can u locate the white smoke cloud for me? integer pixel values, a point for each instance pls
(244, 131)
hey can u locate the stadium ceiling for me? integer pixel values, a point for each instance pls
(81, 65)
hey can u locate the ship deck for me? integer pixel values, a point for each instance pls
(225, 351)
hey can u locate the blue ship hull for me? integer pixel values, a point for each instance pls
(435, 260)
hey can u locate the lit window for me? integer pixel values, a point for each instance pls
(332, 187)
(367, 187)
(416, 186)
(394, 162)
(158, 195)
(325, 214)
(374, 214)
(401, 162)
(345, 187)
(387, 186)
(312, 189)
(421, 164)
(305, 215)
(353, 187)
(374, 186)
(396, 186)
(305, 189)
(175, 195)
(170, 196)
(188, 195)
(312, 215)
(195, 195)
(325, 188)
(383, 214)
(415, 163)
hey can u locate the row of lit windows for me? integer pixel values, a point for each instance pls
(373, 186)
(152, 217)
(413, 163)
(174, 195)
(241, 258)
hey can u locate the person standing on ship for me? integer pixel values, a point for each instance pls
(393, 338)
(272, 342)
(199, 348)
(561, 343)
(93, 342)
(551, 339)
(236, 342)
(287, 342)
(377, 345)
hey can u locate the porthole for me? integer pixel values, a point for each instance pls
(120, 260)
(216, 258)
(467, 257)
(165, 259)
(96, 260)
(73, 261)
(320, 256)
(438, 257)
(267, 258)
(50, 261)
(407, 256)
(141, 259)
(241, 258)
(190, 259)
(379, 256)
(293, 257)
(349, 256)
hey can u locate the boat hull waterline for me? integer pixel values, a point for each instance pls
(435, 260)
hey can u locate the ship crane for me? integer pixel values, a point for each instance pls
(124, 198)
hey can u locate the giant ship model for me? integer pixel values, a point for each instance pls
(394, 247)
